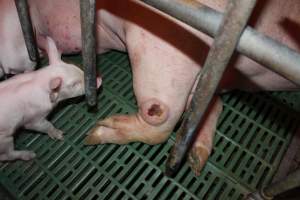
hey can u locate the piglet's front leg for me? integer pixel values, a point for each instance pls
(8, 153)
(45, 126)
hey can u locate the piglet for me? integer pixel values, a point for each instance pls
(27, 99)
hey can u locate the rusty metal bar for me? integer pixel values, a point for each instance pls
(26, 25)
(87, 16)
(290, 182)
(264, 50)
(235, 19)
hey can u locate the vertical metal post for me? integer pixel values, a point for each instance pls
(87, 16)
(26, 25)
(236, 16)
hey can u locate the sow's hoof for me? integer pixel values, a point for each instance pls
(145, 126)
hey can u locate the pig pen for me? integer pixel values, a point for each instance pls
(253, 134)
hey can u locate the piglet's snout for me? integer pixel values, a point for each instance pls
(79, 88)
(74, 81)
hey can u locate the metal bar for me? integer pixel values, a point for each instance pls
(236, 17)
(26, 25)
(264, 50)
(290, 182)
(87, 16)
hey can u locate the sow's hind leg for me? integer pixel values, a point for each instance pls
(162, 79)
(203, 144)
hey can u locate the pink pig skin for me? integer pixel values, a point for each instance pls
(26, 100)
(165, 55)
(13, 54)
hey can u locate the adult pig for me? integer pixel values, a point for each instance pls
(26, 100)
(165, 55)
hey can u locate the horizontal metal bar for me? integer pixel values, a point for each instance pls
(87, 16)
(26, 25)
(236, 17)
(263, 49)
(290, 182)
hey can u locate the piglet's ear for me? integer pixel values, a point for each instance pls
(53, 53)
(54, 85)
(48, 44)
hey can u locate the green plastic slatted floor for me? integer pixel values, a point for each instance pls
(253, 134)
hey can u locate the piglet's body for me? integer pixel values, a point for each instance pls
(26, 100)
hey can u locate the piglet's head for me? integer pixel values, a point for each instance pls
(68, 80)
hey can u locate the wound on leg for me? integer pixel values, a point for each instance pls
(154, 112)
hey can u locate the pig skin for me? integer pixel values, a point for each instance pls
(26, 100)
(165, 55)
(13, 54)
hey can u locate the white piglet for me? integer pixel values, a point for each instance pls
(27, 99)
